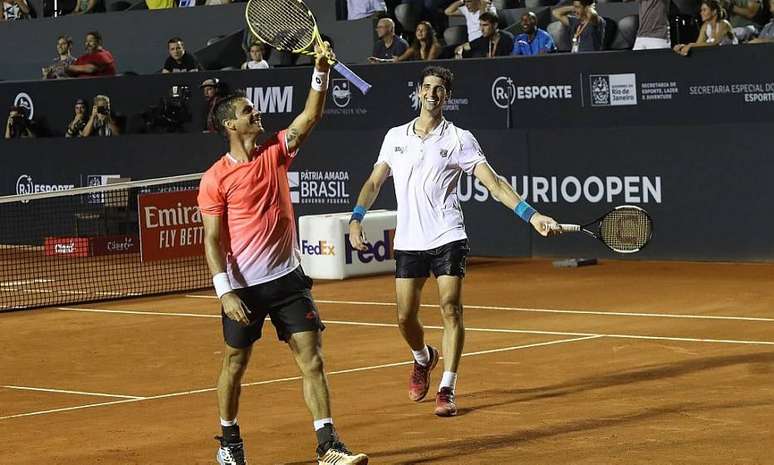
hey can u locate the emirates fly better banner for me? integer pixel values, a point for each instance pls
(170, 225)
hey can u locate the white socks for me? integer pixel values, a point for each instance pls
(319, 424)
(449, 380)
(422, 356)
(228, 422)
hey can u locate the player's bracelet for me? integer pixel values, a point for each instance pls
(524, 210)
(319, 81)
(358, 213)
(222, 284)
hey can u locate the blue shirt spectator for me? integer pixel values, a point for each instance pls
(541, 42)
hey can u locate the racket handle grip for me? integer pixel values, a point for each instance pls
(352, 77)
(568, 227)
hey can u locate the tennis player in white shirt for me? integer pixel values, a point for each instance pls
(426, 158)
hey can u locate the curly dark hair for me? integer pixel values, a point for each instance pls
(438, 71)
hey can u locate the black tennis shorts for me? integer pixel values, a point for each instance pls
(287, 300)
(448, 259)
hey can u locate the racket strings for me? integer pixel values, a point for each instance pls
(283, 24)
(626, 229)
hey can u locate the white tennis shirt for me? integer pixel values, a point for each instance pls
(426, 174)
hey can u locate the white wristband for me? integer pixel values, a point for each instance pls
(319, 81)
(222, 284)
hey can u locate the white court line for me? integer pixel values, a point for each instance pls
(483, 330)
(293, 378)
(62, 391)
(540, 310)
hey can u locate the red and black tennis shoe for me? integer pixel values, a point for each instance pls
(444, 403)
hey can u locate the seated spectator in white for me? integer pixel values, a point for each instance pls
(492, 43)
(178, 60)
(95, 62)
(389, 46)
(78, 124)
(64, 45)
(767, 33)
(359, 9)
(18, 126)
(587, 28)
(255, 58)
(101, 122)
(653, 32)
(159, 4)
(14, 10)
(83, 7)
(425, 46)
(715, 30)
(745, 16)
(533, 41)
(471, 10)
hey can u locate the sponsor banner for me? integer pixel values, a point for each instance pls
(26, 185)
(115, 245)
(611, 90)
(95, 246)
(67, 247)
(319, 187)
(272, 99)
(170, 225)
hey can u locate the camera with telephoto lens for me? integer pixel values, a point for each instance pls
(102, 110)
(172, 112)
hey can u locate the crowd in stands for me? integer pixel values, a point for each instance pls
(486, 34)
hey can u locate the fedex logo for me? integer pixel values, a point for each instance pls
(320, 248)
(379, 250)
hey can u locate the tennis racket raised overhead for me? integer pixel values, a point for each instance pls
(625, 229)
(289, 25)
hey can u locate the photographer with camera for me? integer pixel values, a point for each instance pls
(77, 125)
(212, 90)
(101, 122)
(18, 126)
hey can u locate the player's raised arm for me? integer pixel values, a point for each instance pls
(367, 197)
(300, 128)
(502, 191)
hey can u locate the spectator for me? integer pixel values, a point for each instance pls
(212, 90)
(178, 60)
(533, 41)
(742, 14)
(653, 32)
(767, 33)
(83, 7)
(15, 9)
(159, 4)
(359, 9)
(471, 10)
(389, 46)
(492, 43)
(255, 56)
(101, 122)
(64, 45)
(715, 30)
(425, 45)
(77, 125)
(18, 125)
(587, 28)
(95, 62)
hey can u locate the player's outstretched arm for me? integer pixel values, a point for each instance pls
(300, 128)
(367, 197)
(503, 192)
(233, 306)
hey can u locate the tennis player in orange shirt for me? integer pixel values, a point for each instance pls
(252, 252)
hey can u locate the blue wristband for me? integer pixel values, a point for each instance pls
(358, 213)
(524, 210)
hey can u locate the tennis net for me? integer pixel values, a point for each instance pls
(123, 239)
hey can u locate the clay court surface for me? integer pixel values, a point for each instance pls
(620, 363)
